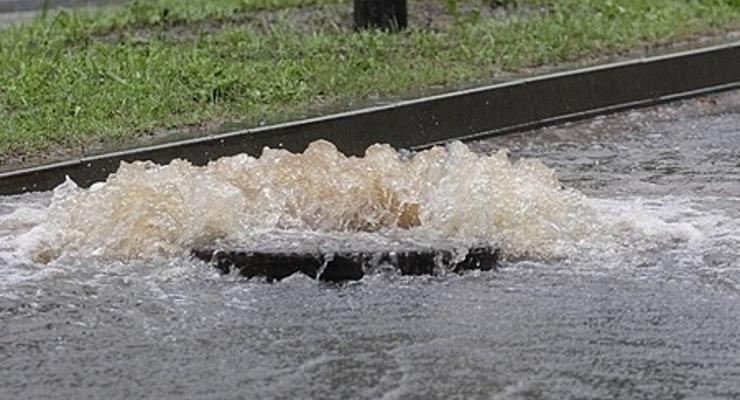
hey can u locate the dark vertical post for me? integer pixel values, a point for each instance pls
(383, 14)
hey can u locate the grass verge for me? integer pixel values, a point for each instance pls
(72, 81)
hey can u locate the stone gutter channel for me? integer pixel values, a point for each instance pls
(497, 109)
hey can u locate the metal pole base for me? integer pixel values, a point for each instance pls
(384, 14)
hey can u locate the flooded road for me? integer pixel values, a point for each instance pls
(647, 305)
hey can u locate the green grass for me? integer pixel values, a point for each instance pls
(73, 80)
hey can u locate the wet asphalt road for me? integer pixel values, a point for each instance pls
(655, 317)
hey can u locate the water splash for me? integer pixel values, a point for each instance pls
(147, 211)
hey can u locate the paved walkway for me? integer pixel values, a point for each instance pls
(14, 17)
(15, 11)
(15, 6)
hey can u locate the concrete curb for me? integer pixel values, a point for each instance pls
(489, 110)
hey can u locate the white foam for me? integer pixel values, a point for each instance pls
(148, 212)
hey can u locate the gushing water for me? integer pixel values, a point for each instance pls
(146, 211)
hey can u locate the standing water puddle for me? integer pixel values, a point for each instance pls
(621, 274)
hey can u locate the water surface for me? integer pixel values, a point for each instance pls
(648, 309)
